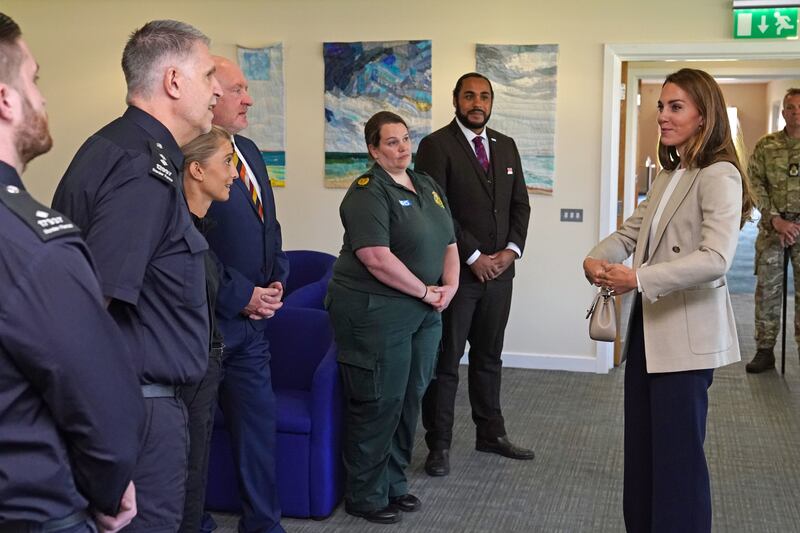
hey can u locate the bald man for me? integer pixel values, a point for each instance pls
(247, 240)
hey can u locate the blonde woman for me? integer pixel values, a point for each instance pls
(207, 177)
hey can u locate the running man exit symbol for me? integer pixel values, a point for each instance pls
(779, 23)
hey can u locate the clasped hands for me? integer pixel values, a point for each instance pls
(265, 301)
(617, 278)
(487, 267)
(787, 230)
(439, 296)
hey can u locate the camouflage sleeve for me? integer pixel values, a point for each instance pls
(757, 172)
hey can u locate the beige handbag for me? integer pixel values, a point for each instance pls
(602, 317)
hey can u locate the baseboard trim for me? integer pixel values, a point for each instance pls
(535, 361)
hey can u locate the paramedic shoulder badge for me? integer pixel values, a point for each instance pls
(45, 222)
(162, 168)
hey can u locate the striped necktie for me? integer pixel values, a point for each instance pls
(242, 171)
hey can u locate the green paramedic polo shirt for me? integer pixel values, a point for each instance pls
(417, 228)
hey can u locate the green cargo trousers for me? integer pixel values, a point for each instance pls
(387, 354)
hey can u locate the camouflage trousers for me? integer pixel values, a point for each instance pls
(769, 288)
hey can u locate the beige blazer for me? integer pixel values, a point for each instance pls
(686, 309)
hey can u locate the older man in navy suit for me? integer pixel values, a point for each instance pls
(247, 240)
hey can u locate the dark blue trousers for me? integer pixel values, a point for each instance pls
(248, 403)
(160, 473)
(667, 488)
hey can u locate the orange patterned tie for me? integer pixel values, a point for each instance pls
(242, 171)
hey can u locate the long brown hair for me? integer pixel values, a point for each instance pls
(712, 143)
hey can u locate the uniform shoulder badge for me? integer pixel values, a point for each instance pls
(162, 168)
(438, 199)
(45, 222)
(363, 181)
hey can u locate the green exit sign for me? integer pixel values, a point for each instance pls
(775, 23)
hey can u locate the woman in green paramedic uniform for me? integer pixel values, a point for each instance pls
(397, 271)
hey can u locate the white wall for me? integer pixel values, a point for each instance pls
(78, 44)
(776, 90)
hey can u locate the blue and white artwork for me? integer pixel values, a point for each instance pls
(362, 78)
(524, 82)
(263, 68)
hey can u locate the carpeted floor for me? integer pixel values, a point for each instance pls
(574, 422)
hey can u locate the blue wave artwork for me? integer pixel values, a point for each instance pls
(263, 68)
(362, 78)
(524, 82)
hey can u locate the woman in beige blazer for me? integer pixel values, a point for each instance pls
(682, 237)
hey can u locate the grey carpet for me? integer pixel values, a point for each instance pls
(574, 422)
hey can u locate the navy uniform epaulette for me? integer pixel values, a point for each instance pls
(45, 222)
(162, 168)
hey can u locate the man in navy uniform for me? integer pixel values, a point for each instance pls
(124, 190)
(247, 240)
(481, 173)
(71, 414)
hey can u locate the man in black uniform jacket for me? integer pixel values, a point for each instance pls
(481, 173)
(124, 190)
(71, 413)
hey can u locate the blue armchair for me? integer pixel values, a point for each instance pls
(306, 382)
(307, 267)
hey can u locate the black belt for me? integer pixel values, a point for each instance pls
(791, 217)
(51, 526)
(156, 390)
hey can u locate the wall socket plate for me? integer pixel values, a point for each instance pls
(572, 215)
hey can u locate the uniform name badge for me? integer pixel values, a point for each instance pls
(438, 199)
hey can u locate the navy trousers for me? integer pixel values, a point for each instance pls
(160, 473)
(248, 403)
(667, 488)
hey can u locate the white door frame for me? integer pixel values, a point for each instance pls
(613, 56)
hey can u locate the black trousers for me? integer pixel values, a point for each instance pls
(667, 487)
(201, 403)
(478, 313)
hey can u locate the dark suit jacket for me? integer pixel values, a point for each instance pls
(489, 210)
(249, 250)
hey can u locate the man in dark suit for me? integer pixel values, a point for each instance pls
(247, 240)
(481, 173)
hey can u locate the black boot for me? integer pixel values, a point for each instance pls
(764, 360)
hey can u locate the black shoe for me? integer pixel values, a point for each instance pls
(503, 446)
(388, 515)
(408, 503)
(763, 360)
(438, 463)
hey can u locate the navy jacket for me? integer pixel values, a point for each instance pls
(251, 251)
(71, 411)
(124, 190)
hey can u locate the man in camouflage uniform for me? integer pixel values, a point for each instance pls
(774, 171)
